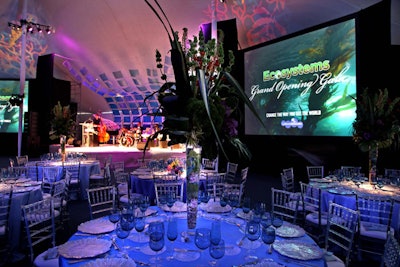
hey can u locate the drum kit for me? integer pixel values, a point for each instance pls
(128, 138)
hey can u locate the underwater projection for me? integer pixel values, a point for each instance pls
(304, 85)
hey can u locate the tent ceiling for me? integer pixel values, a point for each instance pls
(106, 48)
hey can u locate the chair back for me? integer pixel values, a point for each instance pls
(215, 184)
(167, 187)
(285, 204)
(101, 201)
(5, 205)
(22, 160)
(341, 230)
(391, 254)
(39, 224)
(315, 172)
(314, 219)
(231, 170)
(350, 171)
(287, 182)
(209, 164)
(374, 223)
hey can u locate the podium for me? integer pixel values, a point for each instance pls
(88, 134)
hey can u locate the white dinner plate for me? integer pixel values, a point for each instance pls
(97, 226)
(111, 262)
(289, 230)
(84, 248)
(298, 250)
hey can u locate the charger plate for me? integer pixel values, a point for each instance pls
(111, 262)
(84, 248)
(289, 230)
(97, 226)
(298, 250)
(214, 207)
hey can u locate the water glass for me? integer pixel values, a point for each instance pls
(217, 251)
(215, 235)
(268, 237)
(202, 238)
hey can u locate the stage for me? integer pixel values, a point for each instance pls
(129, 155)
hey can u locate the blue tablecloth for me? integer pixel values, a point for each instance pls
(15, 223)
(232, 232)
(86, 168)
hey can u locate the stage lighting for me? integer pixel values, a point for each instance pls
(31, 27)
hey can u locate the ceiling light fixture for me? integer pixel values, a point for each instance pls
(31, 27)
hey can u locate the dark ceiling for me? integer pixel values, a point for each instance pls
(106, 48)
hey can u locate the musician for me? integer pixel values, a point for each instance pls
(97, 124)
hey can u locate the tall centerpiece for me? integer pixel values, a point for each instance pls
(203, 104)
(376, 125)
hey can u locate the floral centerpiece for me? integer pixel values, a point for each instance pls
(202, 104)
(376, 125)
(176, 166)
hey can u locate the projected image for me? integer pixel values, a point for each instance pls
(9, 112)
(304, 85)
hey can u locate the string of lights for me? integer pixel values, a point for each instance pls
(31, 27)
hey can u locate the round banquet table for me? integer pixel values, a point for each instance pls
(232, 232)
(344, 193)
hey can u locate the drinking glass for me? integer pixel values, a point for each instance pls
(268, 237)
(246, 205)
(114, 216)
(253, 233)
(217, 251)
(215, 234)
(172, 229)
(139, 226)
(223, 201)
(202, 238)
(144, 204)
(122, 230)
(172, 234)
(156, 239)
(170, 200)
(277, 221)
(266, 220)
(128, 217)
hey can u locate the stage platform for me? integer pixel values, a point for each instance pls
(129, 155)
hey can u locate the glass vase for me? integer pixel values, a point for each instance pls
(372, 160)
(193, 161)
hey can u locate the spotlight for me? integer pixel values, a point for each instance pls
(31, 27)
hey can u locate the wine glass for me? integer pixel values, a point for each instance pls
(223, 200)
(172, 233)
(114, 216)
(277, 221)
(266, 220)
(268, 237)
(144, 204)
(246, 206)
(202, 238)
(139, 226)
(156, 238)
(170, 200)
(253, 233)
(215, 234)
(122, 230)
(217, 251)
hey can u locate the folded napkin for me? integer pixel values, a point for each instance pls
(51, 253)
